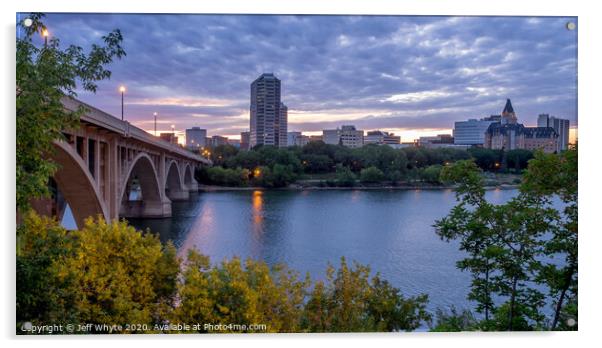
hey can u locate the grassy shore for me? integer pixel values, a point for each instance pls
(492, 181)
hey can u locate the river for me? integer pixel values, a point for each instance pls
(389, 230)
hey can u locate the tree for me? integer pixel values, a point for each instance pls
(101, 274)
(371, 175)
(345, 176)
(548, 175)
(454, 320)
(349, 301)
(506, 243)
(244, 294)
(486, 158)
(431, 174)
(45, 76)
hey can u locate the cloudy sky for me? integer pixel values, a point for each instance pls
(410, 75)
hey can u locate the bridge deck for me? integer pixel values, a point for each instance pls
(111, 123)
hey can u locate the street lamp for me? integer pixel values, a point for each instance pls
(122, 90)
(45, 35)
(155, 114)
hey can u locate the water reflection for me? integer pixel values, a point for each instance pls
(257, 210)
(392, 231)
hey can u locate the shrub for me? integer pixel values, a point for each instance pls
(371, 175)
(345, 177)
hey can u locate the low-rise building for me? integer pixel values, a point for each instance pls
(346, 135)
(297, 139)
(436, 141)
(169, 137)
(218, 140)
(245, 138)
(234, 142)
(381, 138)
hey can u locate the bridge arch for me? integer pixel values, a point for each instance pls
(77, 185)
(189, 180)
(151, 201)
(174, 182)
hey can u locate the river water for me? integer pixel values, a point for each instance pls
(389, 230)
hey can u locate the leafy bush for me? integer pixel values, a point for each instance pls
(112, 274)
(345, 177)
(101, 274)
(371, 175)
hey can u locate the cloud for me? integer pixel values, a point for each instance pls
(390, 72)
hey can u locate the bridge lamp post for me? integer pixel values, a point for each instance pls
(155, 114)
(122, 90)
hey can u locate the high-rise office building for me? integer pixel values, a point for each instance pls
(282, 130)
(561, 126)
(195, 137)
(268, 114)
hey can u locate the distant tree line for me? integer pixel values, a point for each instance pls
(269, 166)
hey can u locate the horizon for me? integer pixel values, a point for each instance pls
(410, 75)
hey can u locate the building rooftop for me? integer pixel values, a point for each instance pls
(508, 108)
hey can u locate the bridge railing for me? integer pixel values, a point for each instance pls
(126, 129)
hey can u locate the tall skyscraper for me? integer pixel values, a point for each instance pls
(268, 114)
(283, 126)
(561, 126)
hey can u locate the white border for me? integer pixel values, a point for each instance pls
(589, 123)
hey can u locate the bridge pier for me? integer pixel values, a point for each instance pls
(144, 209)
(176, 194)
(193, 187)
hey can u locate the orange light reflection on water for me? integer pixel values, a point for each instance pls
(257, 209)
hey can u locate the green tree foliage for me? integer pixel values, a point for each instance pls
(509, 246)
(518, 159)
(103, 273)
(371, 175)
(349, 301)
(454, 320)
(431, 174)
(345, 177)
(46, 75)
(549, 175)
(486, 159)
(233, 293)
(320, 159)
(220, 154)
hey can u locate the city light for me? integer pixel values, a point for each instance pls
(45, 35)
(257, 172)
(122, 90)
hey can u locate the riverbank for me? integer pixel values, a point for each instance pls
(297, 187)
(492, 181)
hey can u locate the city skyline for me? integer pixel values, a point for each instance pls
(412, 76)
